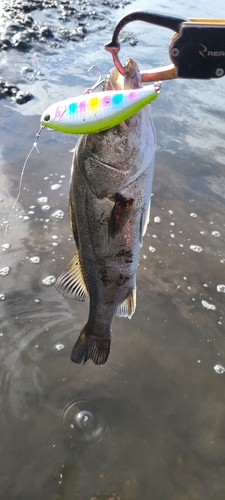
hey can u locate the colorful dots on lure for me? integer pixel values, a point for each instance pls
(117, 98)
(73, 107)
(97, 112)
(106, 100)
(132, 95)
(82, 106)
(94, 102)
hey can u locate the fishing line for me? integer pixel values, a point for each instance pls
(34, 146)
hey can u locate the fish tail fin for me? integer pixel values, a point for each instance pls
(91, 347)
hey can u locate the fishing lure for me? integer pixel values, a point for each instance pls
(90, 113)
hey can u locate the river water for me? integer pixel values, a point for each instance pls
(150, 424)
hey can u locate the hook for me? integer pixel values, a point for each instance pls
(99, 81)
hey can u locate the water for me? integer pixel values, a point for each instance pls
(150, 423)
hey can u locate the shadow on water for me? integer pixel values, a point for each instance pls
(150, 423)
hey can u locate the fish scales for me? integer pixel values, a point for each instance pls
(109, 201)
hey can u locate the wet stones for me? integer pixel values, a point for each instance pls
(8, 90)
(46, 32)
(20, 30)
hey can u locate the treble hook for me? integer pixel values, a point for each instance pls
(99, 81)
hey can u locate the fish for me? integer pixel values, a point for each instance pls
(96, 112)
(109, 210)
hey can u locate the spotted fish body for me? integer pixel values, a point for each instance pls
(109, 206)
(90, 113)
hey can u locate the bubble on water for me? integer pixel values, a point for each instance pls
(35, 259)
(49, 280)
(196, 248)
(157, 219)
(222, 261)
(59, 347)
(144, 256)
(151, 249)
(2, 296)
(208, 306)
(30, 212)
(45, 208)
(54, 244)
(37, 300)
(1, 199)
(83, 422)
(154, 236)
(220, 288)
(54, 236)
(205, 285)
(216, 234)
(58, 214)
(62, 176)
(6, 246)
(219, 369)
(4, 271)
(172, 223)
(172, 235)
(170, 212)
(26, 217)
(42, 200)
(54, 187)
(193, 214)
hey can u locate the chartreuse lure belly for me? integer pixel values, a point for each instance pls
(90, 113)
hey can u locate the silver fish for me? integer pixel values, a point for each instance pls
(109, 209)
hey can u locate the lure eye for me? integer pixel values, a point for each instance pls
(47, 118)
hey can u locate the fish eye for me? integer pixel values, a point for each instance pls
(47, 118)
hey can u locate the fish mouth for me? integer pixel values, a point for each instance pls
(116, 81)
(113, 81)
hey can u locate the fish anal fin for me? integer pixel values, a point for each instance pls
(90, 347)
(71, 282)
(128, 306)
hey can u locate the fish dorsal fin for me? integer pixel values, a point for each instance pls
(71, 282)
(128, 306)
(144, 222)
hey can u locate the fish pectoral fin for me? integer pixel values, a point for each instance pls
(72, 221)
(71, 282)
(128, 306)
(144, 222)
